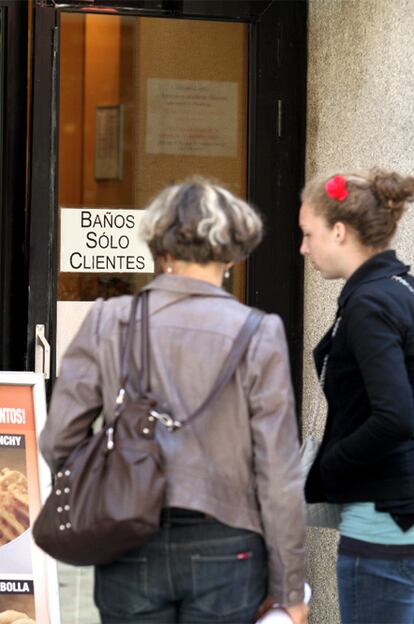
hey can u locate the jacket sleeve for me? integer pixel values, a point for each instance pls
(279, 481)
(375, 338)
(76, 399)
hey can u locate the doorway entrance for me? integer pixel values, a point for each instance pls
(144, 102)
(130, 96)
(127, 98)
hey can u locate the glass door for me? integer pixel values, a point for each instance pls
(144, 102)
(128, 96)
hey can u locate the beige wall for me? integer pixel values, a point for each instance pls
(190, 50)
(360, 114)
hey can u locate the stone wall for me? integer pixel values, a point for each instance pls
(360, 114)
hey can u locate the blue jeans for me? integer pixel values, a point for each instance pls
(194, 571)
(375, 591)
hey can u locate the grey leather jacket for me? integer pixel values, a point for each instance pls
(239, 460)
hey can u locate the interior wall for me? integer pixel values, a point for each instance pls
(97, 60)
(102, 82)
(109, 61)
(97, 65)
(71, 110)
(360, 94)
(192, 50)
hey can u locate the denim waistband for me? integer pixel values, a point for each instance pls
(177, 515)
(371, 550)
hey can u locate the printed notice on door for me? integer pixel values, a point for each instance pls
(27, 577)
(193, 117)
(101, 240)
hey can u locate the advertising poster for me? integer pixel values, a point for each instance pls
(28, 580)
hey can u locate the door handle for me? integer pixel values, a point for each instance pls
(42, 352)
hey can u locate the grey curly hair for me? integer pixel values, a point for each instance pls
(201, 222)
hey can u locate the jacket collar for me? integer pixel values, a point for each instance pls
(181, 285)
(170, 289)
(382, 265)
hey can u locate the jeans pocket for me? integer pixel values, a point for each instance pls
(224, 584)
(121, 588)
(406, 569)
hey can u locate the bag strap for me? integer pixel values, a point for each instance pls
(129, 340)
(321, 384)
(144, 376)
(232, 360)
(401, 280)
(228, 369)
(144, 373)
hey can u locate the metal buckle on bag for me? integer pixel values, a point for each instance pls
(110, 436)
(166, 420)
(121, 396)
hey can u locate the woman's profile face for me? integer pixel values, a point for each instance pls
(319, 242)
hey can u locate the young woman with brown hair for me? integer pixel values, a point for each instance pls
(366, 459)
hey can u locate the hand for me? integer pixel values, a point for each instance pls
(264, 606)
(298, 613)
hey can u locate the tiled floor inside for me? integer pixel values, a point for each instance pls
(76, 595)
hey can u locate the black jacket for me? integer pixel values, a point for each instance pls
(367, 452)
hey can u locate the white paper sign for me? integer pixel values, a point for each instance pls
(101, 240)
(194, 117)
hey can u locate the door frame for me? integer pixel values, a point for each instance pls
(13, 230)
(276, 151)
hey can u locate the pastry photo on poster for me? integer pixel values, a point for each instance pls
(15, 554)
(17, 604)
(16, 592)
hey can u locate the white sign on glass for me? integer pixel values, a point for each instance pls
(100, 240)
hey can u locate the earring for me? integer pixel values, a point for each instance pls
(169, 269)
(227, 274)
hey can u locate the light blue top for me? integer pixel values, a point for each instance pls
(362, 522)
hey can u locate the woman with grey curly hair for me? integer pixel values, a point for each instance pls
(200, 223)
(366, 459)
(231, 536)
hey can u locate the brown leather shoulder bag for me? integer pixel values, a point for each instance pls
(108, 496)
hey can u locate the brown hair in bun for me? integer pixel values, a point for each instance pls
(373, 205)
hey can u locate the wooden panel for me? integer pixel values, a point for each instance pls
(72, 53)
(102, 61)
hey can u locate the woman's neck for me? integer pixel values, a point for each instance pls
(212, 272)
(357, 259)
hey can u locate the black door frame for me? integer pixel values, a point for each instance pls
(13, 129)
(277, 119)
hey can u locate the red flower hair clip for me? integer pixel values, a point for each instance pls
(336, 188)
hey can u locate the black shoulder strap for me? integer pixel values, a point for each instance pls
(232, 360)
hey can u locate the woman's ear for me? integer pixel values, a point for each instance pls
(340, 232)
